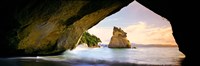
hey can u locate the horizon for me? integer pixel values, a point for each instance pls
(142, 25)
(147, 45)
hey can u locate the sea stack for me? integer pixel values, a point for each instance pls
(119, 40)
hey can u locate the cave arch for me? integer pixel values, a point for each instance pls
(164, 9)
(12, 11)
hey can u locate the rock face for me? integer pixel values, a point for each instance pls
(21, 18)
(119, 39)
(46, 27)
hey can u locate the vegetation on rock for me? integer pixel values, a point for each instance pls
(90, 40)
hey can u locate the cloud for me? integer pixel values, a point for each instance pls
(104, 33)
(139, 33)
(147, 34)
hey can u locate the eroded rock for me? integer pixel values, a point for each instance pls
(119, 40)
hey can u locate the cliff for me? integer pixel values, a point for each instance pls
(48, 27)
(119, 40)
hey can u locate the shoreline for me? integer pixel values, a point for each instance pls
(41, 62)
(85, 60)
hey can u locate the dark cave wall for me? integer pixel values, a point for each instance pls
(20, 19)
(48, 27)
(178, 13)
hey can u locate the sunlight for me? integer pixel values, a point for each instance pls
(142, 25)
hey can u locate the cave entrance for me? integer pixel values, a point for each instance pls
(142, 25)
(144, 29)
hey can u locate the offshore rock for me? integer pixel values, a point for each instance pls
(119, 39)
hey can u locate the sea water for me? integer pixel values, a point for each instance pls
(103, 56)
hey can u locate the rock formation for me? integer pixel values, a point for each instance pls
(119, 40)
(46, 27)
(20, 18)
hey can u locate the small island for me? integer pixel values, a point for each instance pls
(119, 40)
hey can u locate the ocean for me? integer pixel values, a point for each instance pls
(104, 56)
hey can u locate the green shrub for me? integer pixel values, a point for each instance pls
(90, 40)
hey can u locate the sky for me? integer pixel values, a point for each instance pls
(142, 25)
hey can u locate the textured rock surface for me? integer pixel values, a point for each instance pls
(16, 15)
(119, 40)
(44, 27)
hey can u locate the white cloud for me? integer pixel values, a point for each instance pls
(147, 34)
(104, 33)
(139, 33)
